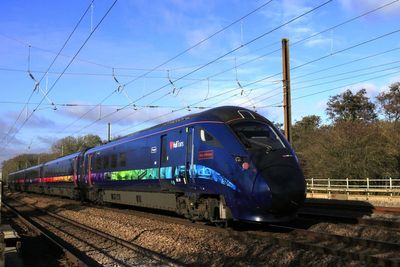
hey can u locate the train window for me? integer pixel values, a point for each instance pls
(114, 161)
(122, 159)
(205, 136)
(208, 138)
(258, 135)
(98, 163)
(106, 162)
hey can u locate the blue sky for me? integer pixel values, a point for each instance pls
(137, 36)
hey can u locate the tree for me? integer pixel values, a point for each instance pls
(351, 107)
(70, 144)
(307, 123)
(304, 127)
(389, 102)
(305, 135)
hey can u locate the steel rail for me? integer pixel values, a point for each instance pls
(299, 238)
(309, 214)
(138, 249)
(73, 255)
(333, 204)
(321, 237)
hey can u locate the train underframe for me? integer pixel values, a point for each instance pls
(192, 206)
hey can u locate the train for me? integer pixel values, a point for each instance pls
(222, 164)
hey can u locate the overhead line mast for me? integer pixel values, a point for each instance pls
(287, 107)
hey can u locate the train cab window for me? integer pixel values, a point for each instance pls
(98, 163)
(122, 159)
(106, 162)
(256, 135)
(207, 138)
(114, 161)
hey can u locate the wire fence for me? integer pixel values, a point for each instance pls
(366, 186)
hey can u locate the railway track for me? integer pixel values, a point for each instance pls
(355, 207)
(388, 217)
(332, 217)
(297, 236)
(367, 251)
(83, 245)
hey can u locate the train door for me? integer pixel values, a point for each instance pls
(82, 176)
(75, 171)
(165, 183)
(89, 173)
(189, 157)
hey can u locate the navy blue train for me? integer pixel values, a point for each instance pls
(226, 163)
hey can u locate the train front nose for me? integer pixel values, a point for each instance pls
(286, 188)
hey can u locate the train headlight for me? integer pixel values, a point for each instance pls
(245, 166)
(239, 159)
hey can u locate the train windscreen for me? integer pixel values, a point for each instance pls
(256, 135)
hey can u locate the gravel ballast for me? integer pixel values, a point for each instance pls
(195, 246)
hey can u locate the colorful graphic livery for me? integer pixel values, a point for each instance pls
(226, 163)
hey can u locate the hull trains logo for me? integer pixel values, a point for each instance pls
(176, 144)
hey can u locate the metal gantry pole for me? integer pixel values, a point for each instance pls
(109, 132)
(287, 106)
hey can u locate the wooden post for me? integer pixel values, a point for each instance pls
(287, 106)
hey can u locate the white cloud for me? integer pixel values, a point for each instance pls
(321, 105)
(394, 79)
(185, 5)
(318, 42)
(372, 89)
(357, 6)
(194, 36)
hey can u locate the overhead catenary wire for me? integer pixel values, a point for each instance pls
(234, 50)
(224, 55)
(51, 64)
(296, 67)
(340, 24)
(185, 67)
(328, 82)
(347, 63)
(302, 65)
(69, 63)
(338, 87)
(110, 75)
(298, 41)
(294, 77)
(183, 52)
(234, 90)
(335, 88)
(331, 76)
(200, 42)
(347, 72)
(334, 53)
(24, 43)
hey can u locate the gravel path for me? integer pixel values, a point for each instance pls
(200, 247)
